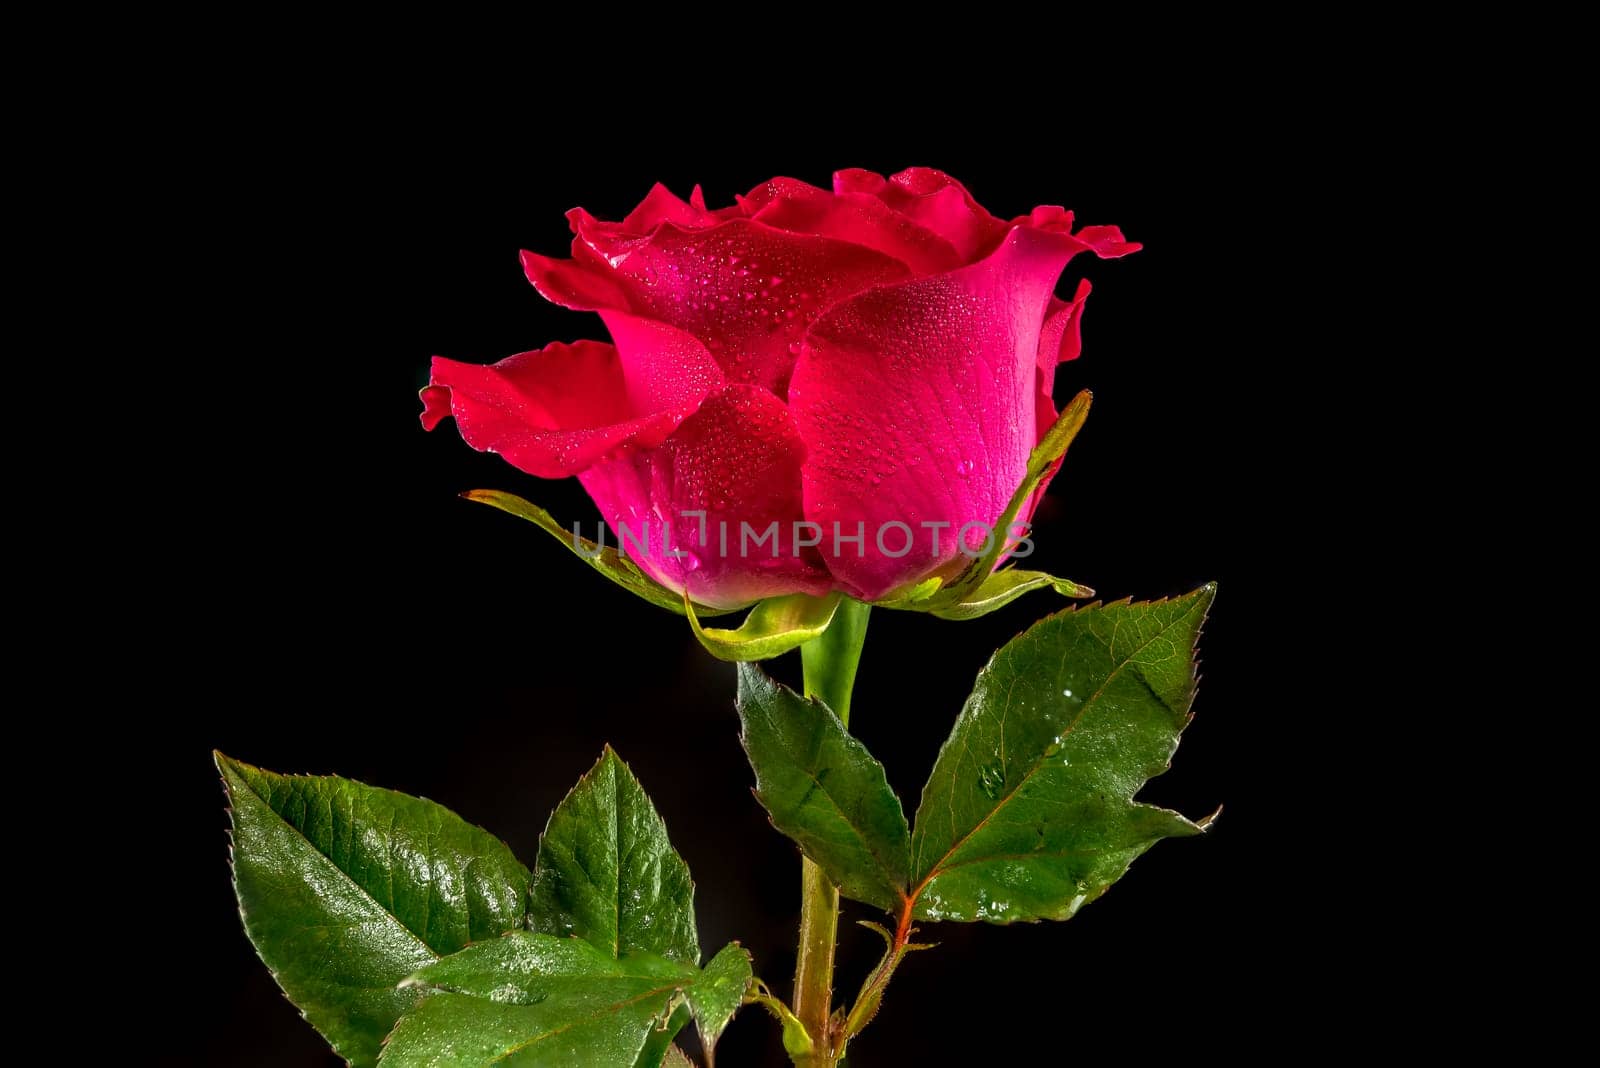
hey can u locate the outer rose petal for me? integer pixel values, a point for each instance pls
(551, 413)
(574, 283)
(737, 460)
(1060, 340)
(917, 404)
(663, 368)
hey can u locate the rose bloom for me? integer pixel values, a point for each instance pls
(879, 356)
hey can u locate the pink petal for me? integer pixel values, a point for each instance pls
(577, 283)
(659, 207)
(1060, 340)
(936, 202)
(745, 289)
(551, 413)
(918, 404)
(663, 367)
(737, 460)
(942, 205)
(859, 218)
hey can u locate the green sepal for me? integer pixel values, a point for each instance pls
(604, 559)
(1004, 586)
(773, 627)
(1041, 461)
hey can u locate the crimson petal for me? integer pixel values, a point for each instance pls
(917, 402)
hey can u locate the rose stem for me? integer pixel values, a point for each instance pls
(830, 663)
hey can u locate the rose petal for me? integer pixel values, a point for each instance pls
(1107, 241)
(550, 413)
(747, 290)
(917, 403)
(1060, 340)
(576, 283)
(659, 207)
(859, 218)
(942, 205)
(737, 460)
(936, 202)
(663, 368)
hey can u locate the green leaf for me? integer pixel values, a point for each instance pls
(824, 790)
(1045, 457)
(346, 889)
(606, 560)
(606, 872)
(1005, 586)
(676, 1058)
(1029, 813)
(547, 1000)
(773, 627)
(602, 1030)
(525, 968)
(719, 991)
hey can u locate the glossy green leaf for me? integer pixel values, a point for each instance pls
(824, 790)
(606, 1028)
(607, 873)
(1044, 458)
(1005, 586)
(773, 627)
(1029, 813)
(604, 559)
(539, 995)
(719, 991)
(526, 968)
(346, 889)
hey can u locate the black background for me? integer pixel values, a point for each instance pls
(355, 616)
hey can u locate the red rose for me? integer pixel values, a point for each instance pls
(874, 361)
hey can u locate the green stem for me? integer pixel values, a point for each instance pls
(830, 674)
